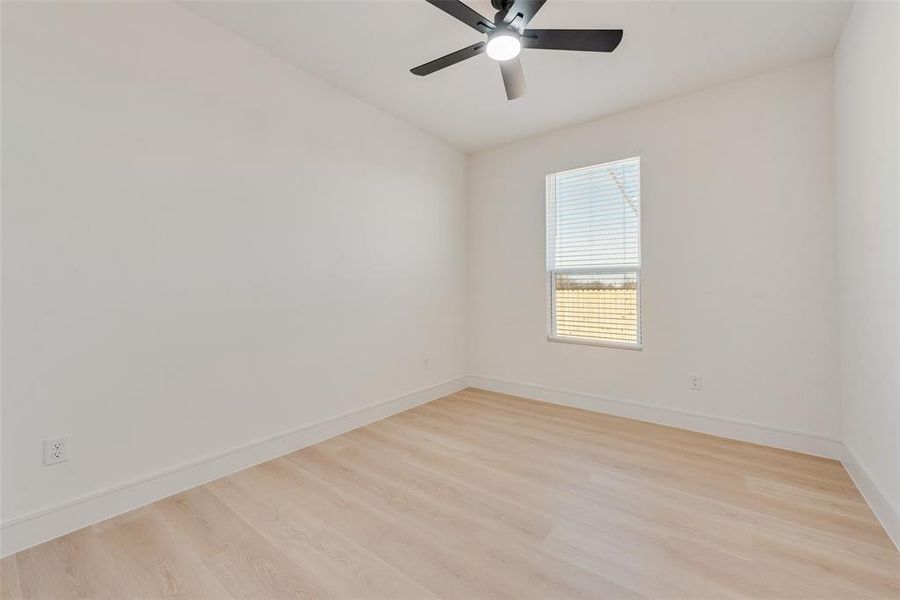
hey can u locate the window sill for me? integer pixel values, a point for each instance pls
(590, 342)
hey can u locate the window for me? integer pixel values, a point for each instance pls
(594, 254)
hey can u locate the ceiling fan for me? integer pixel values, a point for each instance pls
(507, 35)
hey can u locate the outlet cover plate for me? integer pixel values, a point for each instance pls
(56, 450)
(695, 382)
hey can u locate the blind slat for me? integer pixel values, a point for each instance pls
(593, 222)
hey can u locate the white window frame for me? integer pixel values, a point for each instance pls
(615, 270)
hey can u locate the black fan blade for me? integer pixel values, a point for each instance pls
(451, 59)
(460, 11)
(513, 78)
(526, 9)
(588, 40)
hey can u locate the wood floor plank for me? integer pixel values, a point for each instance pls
(424, 558)
(243, 561)
(9, 579)
(311, 541)
(149, 554)
(636, 437)
(485, 495)
(510, 564)
(71, 566)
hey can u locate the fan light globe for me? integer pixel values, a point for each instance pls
(503, 46)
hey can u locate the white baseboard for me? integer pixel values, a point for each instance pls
(43, 525)
(887, 515)
(798, 441)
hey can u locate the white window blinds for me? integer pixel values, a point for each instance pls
(594, 252)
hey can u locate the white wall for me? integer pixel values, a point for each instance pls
(739, 258)
(867, 116)
(203, 247)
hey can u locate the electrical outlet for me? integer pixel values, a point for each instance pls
(427, 364)
(56, 450)
(695, 382)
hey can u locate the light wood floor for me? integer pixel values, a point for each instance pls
(480, 495)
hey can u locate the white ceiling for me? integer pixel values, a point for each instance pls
(669, 48)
